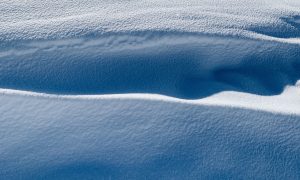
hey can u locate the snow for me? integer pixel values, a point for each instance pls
(150, 89)
(55, 137)
(33, 19)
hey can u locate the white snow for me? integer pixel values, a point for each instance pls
(149, 89)
(34, 19)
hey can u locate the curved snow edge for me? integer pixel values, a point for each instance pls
(223, 99)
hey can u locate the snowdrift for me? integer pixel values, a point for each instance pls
(112, 138)
(182, 65)
(149, 89)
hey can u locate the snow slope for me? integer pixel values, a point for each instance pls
(150, 89)
(143, 138)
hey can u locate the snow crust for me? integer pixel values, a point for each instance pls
(150, 89)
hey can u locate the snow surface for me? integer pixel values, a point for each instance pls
(150, 89)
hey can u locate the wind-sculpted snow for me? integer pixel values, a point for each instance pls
(182, 65)
(149, 89)
(57, 19)
(111, 138)
(186, 50)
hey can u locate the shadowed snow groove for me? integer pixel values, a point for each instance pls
(288, 28)
(183, 65)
